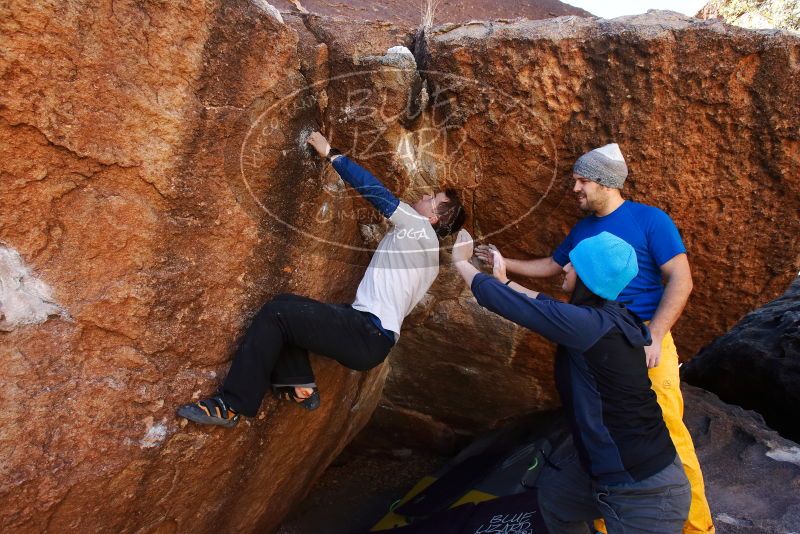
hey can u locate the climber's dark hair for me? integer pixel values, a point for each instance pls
(583, 296)
(451, 215)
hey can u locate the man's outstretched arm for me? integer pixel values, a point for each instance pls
(573, 326)
(536, 268)
(358, 177)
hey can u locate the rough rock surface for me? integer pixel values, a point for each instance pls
(755, 14)
(752, 474)
(757, 364)
(706, 117)
(411, 12)
(155, 178)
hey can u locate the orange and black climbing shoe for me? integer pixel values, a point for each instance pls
(211, 411)
(288, 393)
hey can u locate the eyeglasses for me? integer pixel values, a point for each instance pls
(434, 204)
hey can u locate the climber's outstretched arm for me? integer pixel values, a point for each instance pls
(357, 176)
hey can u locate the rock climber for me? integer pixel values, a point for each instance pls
(274, 350)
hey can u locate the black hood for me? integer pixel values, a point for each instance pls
(633, 328)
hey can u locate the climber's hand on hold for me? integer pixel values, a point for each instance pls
(319, 143)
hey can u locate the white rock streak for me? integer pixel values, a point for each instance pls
(399, 50)
(24, 299)
(269, 9)
(782, 454)
(155, 434)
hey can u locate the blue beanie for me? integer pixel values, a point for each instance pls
(605, 263)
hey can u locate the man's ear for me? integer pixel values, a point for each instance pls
(433, 219)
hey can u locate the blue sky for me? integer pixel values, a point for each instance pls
(617, 8)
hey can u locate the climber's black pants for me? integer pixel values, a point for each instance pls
(274, 350)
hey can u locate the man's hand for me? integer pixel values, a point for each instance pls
(499, 266)
(484, 253)
(678, 277)
(320, 144)
(462, 249)
(652, 353)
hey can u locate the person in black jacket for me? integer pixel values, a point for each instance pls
(623, 465)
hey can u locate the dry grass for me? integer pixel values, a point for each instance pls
(428, 10)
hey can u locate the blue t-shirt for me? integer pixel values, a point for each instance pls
(650, 232)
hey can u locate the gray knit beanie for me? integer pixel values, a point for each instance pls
(604, 165)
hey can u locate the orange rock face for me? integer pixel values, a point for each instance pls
(155, 179)
(706, 116)
(157, 190)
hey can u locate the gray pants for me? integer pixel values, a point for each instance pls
(569, 500)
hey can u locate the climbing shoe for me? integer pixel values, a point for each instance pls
(211, 411)
(287, 393)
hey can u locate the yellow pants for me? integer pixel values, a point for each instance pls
(666, 383)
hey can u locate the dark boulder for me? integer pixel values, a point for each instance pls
(756, 365)
(752, 474)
